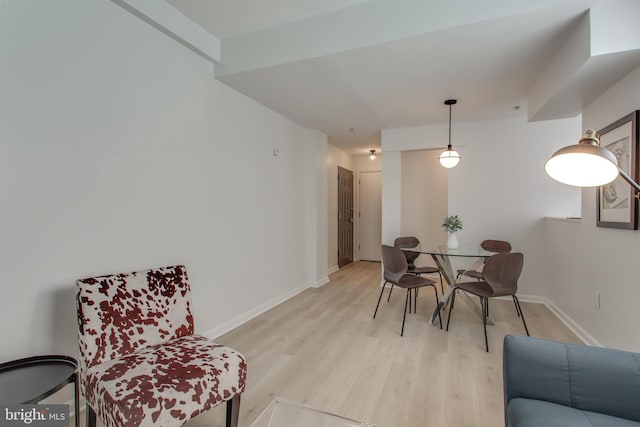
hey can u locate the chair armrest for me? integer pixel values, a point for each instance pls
(594, 379)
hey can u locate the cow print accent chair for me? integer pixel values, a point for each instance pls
(141, 363)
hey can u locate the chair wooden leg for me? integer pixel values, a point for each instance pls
(517, 302)
(453, 300)
(485, 308)
(379, 298)
(406, 300)
(233, 411)
(91, 417)
(441, 284)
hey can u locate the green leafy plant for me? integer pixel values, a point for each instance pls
(452, 224)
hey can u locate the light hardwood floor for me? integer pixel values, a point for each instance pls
(324, 349)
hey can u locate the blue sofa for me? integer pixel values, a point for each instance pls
(549, 383)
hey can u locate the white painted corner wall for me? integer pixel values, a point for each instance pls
(583, 259)
(119, 151)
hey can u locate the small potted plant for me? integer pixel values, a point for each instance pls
(452, 224)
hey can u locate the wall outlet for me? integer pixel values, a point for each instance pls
(596, 300)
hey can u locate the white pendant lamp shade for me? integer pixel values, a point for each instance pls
(449, 157)
(585, 164)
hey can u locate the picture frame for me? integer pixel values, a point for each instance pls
(616, 204)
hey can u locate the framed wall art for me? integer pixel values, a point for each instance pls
(617, 206)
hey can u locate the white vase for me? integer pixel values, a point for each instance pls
(452, 243)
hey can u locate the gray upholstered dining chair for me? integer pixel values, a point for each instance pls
(494, 246)
(500, 278)
(413, 242)
(395, 272)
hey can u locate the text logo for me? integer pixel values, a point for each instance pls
(34, 415)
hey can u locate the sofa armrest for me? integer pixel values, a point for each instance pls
(587, 378)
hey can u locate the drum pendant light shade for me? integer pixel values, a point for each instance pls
(449, 158)
(585, 164)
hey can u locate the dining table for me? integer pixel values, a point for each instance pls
(472, 258)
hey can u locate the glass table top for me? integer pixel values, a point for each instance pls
(285, 413)
(464, 251)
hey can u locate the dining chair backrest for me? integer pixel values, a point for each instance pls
(502, 271)
(496, 246)
(394, 263)
(408, 242)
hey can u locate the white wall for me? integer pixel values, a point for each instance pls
(119, 151)
(317, 193)
(583, 259)
(499, 189)
(424, 199)
(391, 194)
(362, 163)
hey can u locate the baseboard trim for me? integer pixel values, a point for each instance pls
(320, 282)
(333, 269)
(244, 318)
(583, 335)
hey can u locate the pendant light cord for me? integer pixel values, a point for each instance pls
(449, 146)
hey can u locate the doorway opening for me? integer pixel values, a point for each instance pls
(345, 216)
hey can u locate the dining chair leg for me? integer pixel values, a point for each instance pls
(406, 300)
(415, 300)
(515, 299)
(516, 304)
(441, 283)
(485, 308)
(379, 298)
(438, 302)
(410, 301)
(390, 290)
(453, 300)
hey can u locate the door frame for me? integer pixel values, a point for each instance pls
(351, 242)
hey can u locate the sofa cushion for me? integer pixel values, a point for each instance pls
(537, 413)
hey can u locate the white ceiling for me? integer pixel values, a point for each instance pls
(396, 72)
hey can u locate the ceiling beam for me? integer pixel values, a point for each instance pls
(602, 49)
(363, 25)
(168, 20)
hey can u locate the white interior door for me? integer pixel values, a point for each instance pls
(370, 232)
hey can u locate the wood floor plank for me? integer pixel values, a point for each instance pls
(323, 348)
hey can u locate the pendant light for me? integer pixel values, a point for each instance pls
(372, 154)
(449, 158)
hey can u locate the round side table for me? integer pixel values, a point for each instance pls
(29, 380)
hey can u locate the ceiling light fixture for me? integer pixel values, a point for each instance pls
(372, 154)
(586, 164)
(449, 158)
